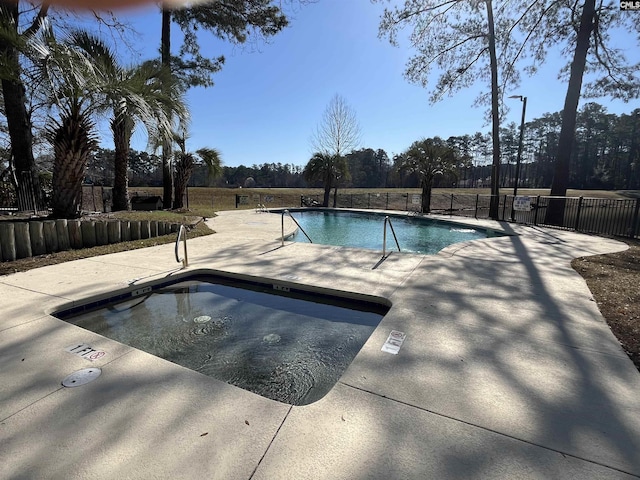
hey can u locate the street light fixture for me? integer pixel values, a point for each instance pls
(515, 186)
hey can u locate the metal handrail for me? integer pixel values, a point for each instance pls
(294, 221)
(185, 260)
(384, 236)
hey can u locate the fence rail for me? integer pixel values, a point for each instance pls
(606, 216)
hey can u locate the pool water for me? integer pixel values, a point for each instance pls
(288, 346)
(362, 230)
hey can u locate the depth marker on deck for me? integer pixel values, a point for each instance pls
(85, 351)
(394, 342)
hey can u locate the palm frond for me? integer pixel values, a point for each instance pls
(212, 159)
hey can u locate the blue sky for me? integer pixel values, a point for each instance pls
(266, 104)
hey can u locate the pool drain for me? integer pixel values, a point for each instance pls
(81, 377)
(271, 338)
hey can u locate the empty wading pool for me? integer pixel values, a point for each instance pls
(280, 342)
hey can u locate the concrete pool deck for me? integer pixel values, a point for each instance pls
(508, 370)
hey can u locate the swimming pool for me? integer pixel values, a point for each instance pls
(281, 342)
(365, 230)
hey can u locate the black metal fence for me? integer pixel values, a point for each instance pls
(21, 195)
(8, 198)
(605, 216)
(411, 202)
(589, 215)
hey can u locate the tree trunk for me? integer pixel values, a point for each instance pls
(18, 118)
(184, 169)
(426, 195)
(122, 128)
(327, 193)
(327, 186)
(495, 116)
(633, 152)
(165, 50)
(67, 183)
(555, 210)
(335, 196)
(72, 145)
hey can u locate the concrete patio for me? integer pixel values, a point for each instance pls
(508, 370)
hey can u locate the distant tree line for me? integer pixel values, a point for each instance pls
(606, 155)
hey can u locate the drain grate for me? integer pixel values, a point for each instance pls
(202, 319)
(81, 377)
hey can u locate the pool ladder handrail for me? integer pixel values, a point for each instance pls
(182, 233)
(287, 212)
(384, 236)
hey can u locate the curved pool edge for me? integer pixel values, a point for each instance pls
(497, 229)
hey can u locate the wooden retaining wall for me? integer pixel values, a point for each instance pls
(26, 239)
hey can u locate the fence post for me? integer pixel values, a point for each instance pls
(36, 233)
(75, 233)
(406, 205)
(135, 230)
(387, 207)
(477, 200)
(50, 236)
(368, 200)
(62, 230)
(102, 236)
(145, 229)
(504, 206)
(575, 227)
(88, 234)
(8, 241)
(535, 217)
(22, 239)
(634, 224)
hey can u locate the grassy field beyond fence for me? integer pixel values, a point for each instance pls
(216, 199)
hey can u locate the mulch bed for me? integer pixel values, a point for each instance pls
(614, 281)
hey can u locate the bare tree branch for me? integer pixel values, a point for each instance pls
(339, 131)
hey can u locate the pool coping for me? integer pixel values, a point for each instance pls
(142, 288)
(418, 414)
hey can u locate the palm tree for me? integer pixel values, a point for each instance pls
(154, 100)
(145, 94)
(73, 141)
(429, 158)
(186, 161)
(70, 81)
(15, 39)
(327, 169)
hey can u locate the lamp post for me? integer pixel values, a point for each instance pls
(515, 186)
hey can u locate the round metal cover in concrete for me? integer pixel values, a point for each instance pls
(81, 377)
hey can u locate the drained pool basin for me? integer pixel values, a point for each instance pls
(280, 342)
